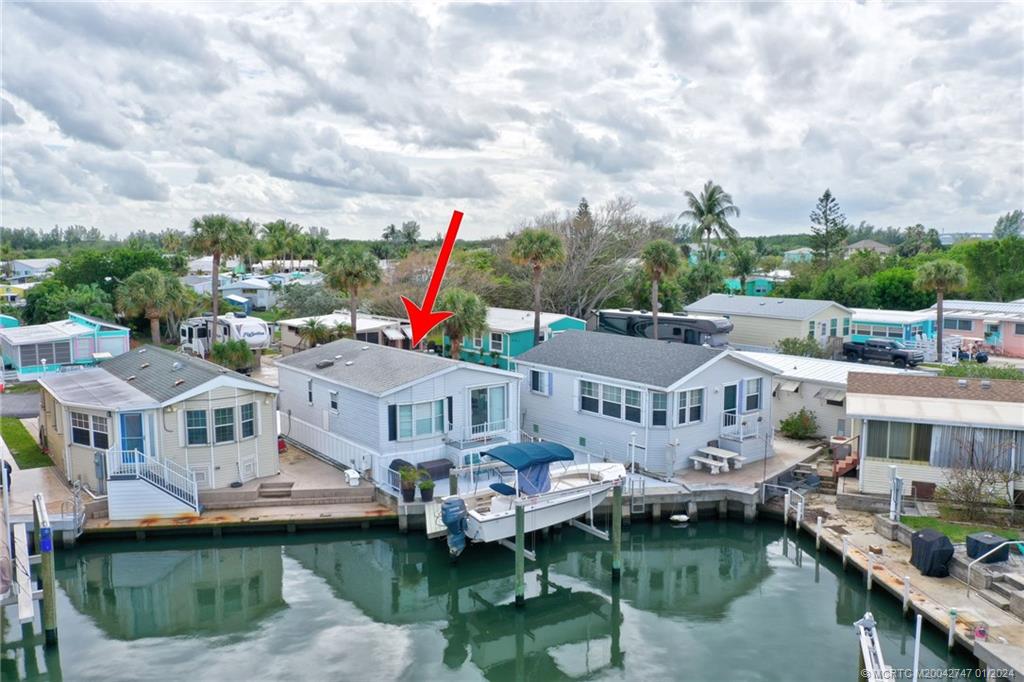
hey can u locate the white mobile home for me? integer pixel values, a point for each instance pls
(387, 331)
(630, 399)
(365, 405)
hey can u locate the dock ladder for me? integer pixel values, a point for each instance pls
(637, 495)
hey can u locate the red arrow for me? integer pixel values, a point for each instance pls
(422, 317)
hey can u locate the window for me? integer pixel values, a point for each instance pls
(963, 325)
(633, 413)
(420, 419)
(899, 440)
(691, 406)
(753, 397)
(478, 341)
(497, 342)
(248, 420)
(1018, 329)
(588, 396)
(89, 430)
(611, 401)
(309, 391)
(223, 425)
(195, 425)
(810, 329)
(334, 400)
(100, 437)
(540, 382)
(841, 427)
(659, 409)
(833, 327)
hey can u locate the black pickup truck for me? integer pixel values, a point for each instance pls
(884, 350)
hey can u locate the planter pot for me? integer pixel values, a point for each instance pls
(408, 494)
(426, 494)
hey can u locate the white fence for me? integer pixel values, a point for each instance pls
(166, 475)
(326, 444)
(740, 426)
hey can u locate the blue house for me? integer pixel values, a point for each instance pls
(900, 325)
(79, 340)
(757, 285)
(510, 333)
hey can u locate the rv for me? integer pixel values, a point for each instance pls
(195, 332)
(698, 330)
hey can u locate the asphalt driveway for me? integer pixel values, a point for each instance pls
(20, 405)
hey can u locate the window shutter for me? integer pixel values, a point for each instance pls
(576, 395)
(256, 414)
(181, 427)
(551, 381)
(392, 422)
(451, 413)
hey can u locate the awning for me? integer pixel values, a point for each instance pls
(407, 330)
(522, 455)
(791, 386)
(234, 298)
(102, 356)
(833, 394)
(393, 334)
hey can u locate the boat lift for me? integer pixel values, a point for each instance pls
(872, 663)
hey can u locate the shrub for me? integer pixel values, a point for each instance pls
(975, 370)
(799, 425)
(797, 346)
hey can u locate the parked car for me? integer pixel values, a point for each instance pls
(882, 350)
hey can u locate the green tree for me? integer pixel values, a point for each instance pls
(304, 300)
(342, 331)
(801, 346)
(828, 228)
(234, 354)
(50, 300)
(151, 293)
(92, 266)
(710, 213)
(314, 332)
(537, 249)
(275, 237)
(894, 289)
(742, 264)
(469, 316)
(661, 259)
(974, 370)
(410, 233)
(994, 266)
(940, 276)
(1009, 225)
(220, 236)
(353, 269)
(706, 277)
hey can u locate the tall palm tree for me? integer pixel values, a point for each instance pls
(351, 270)
(296, 241)
(343, 331)
(250, 250)
(219, 236)
(742, 264)
(660, 259)
(469, 316)
(314, 332)
(941, 276)
(152, 293)
(275, 236)
(537, 249)
(710, 213)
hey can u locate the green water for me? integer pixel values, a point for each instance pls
(712, 601)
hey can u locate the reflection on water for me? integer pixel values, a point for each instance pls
(709, 601)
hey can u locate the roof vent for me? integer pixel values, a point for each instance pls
(130, 378)
(144, 365)
(324, 363)
(962, 383)
(985, 383)
(365, 348)
(176, 366)
(142, 350)
(179, 382)
(349, 363)
(337, 357)
(764, 303)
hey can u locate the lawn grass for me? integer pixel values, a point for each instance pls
(957, 532)
(27, 387)
(26, 451)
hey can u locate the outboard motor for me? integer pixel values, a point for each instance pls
(453, 516)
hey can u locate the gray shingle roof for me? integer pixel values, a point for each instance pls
(375, 369)
(760, 306)
(160, 373)
(644, 361)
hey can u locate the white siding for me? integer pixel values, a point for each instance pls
(786, 403)
(875, 476)
(137, 499)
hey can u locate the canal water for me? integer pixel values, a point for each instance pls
(709, 601)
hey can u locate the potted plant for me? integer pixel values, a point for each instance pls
(408, 476)
(494, 357)
(426, 488)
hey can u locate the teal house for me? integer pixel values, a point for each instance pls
(79, 340)
(697, 251)
(8, 321)
(756, 286)
(898, 325)
(801, 255)
(509, 334)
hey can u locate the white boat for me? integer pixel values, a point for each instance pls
(550, 494)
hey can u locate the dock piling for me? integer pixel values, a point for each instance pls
(617, 533)
(846, 550)
(906, 594)
(44, 543)
(520, 548)
(871, 569)
(817, 534)
(453, 483)
(952, 629)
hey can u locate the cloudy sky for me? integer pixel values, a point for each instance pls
(354, 116)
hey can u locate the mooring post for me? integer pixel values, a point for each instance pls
(44, 542)
(952, 629)
(846, 550)
(871, 567)
(917, 649)
(520, 557)
(817, 534)
(453, 483)
(617, 533)
(785, 510)
(906, 594)
(799, 515)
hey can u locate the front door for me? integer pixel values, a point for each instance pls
(132, 437)
(729, 398)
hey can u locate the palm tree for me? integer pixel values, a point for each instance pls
(710, 213)
(941, 276)
(275, 236)
(152, 293)
(343, 331)
(251, 244)
(217, 235)
(351, 270)
(537, 249)
(469, 316)
(314, 332)
(234, 354)
(296, 241)
(660, 259)
(743, 264)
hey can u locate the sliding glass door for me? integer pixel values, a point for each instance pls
(488, 409)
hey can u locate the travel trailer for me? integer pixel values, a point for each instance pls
(698, 330)
(195, 332)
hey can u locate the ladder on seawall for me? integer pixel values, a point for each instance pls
(637, 495)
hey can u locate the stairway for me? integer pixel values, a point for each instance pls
(1004, 588)
(275, 490)
(10, 377)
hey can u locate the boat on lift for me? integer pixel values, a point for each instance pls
(549, 495)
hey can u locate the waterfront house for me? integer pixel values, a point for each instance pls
(79, 340)
(259, 293)
(32, 268)
(925, 425)
(153, 428)
(509, 333)
(867, 245)
(815, 385)
(204, 264)
(760, 322)
(800, 255)
(285, 265)
(900, 325)
(202, 284)
(387, 331)
(364, 405)
(630, 399)
(1000, 325)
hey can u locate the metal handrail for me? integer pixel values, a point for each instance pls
(169, 476)
(1020, 546)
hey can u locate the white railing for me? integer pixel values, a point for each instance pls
(486, 429)
(166, 475)
(740, 426)
(328, 445)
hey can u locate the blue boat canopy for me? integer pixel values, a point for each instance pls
(524, 455)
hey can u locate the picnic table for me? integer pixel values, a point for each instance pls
(726, 457)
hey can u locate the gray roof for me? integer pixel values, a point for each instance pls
(760, 306)
(93, 386)
(630, 358)
(374, 368)
(157, 371)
